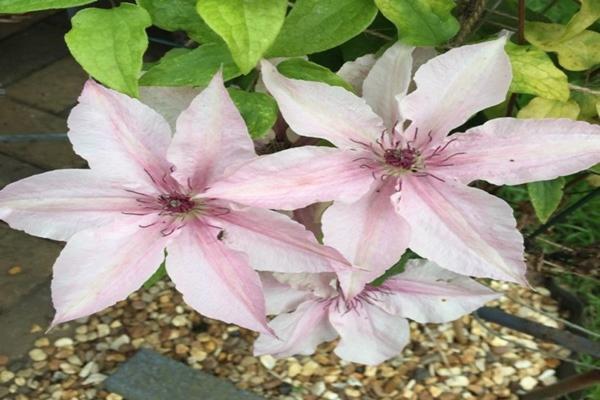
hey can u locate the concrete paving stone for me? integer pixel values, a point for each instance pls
(54, 88)
(30, 50)
(11, 24)
(19, 118)
(149, 375)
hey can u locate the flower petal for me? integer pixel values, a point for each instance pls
(427, 293)
(99, 267)
(454, 86)
(57, 204)
(295, 178)
(214, 280)
(463, 229)
(299, 332)
(168, 101)
(274, 242)
(355, 72)
(368, 334)
(509, 151)
(369, 233)
(316, 109)
(389, 77)
(211, 136)
(119, 136)
(279, 297)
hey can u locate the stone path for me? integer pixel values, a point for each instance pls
(39, 84)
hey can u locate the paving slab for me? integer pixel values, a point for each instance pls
(54, 88)
(30, 50)
(149, 375)
(16, 118)
(9, 25)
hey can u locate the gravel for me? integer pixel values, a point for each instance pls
(434, 366)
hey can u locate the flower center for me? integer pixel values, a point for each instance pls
(401, 158)
(176, 203)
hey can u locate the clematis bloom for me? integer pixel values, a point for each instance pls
(372, 325)
(397, 177)
(144, 195)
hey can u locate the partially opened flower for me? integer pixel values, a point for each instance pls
(398, 178)
(372, 326)
(144, 196)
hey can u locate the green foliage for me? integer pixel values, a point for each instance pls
(298, 68)
(192, 67)
(546, 196)
(23, 6)
(179, 15)
(109, 44)
(317, 25)
(249, 27)
(545, 108)
(535, 73)
(396, 269)
(421, 22)
(559, 11)
(158, 275)
(578, 49)
(588, 103)
(259, 110)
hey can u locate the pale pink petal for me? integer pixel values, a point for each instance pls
(316, 109)
(427, 293)
(389, 77)
(463, 229)
(355, 72)
(168, 101)
(210, 136)
(119, 136)
(298, 332)
(274, 242)
(454, 86)
(369, 233)
(57, 204)
(99, 267)
(509, 151)
(368, 334)
(295, 178)
(279, 297)
(214, 280)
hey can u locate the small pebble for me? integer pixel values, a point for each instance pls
(457, 381)
(528, 383)
(63, 342)
(37, 355)
(16, 270)
(268, 361)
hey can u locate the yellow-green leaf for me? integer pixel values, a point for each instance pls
(545, 108)
(109, 44)
(535, 73)
(249, 27)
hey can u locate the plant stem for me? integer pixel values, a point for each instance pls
(566, 386)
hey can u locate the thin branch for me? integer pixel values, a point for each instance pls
(584, 89)
(521, 31)
(568, 385)
(379, 35)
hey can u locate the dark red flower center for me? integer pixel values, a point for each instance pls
(176, 203)
(401, 158)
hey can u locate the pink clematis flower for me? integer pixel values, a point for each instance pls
(399, 180)
(145, 195)
(372, 325)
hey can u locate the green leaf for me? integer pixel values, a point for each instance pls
(23, 6)
(317, 25)
(193, 67)
(298, 68)
(109, 44)
(544, 108)
(546, 196)
(421, 22)
(179, 15)
(535, 73)
(160, 273)
(578, 49)
(259, 110)
(555, 10)
(396, 269)
(249, 27)
(588, 103)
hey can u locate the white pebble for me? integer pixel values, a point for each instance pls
(528, 383)
(268, 361)
(63, 342)
(457, 381)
